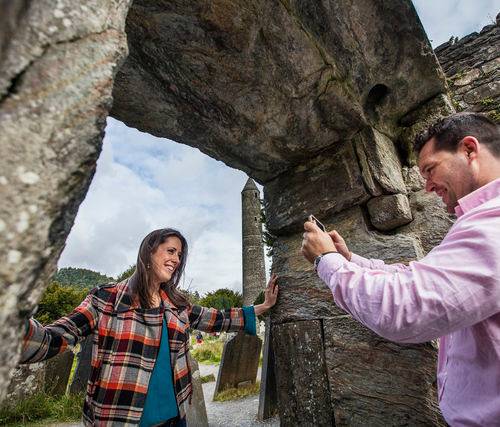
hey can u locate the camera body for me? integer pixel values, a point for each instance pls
(312, 218)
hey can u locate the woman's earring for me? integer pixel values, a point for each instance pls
(148, 266)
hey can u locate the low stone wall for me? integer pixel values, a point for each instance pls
(472, 66)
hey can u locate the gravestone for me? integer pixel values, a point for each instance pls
(82, 371)
(196, 415)
(239, 362)
(57, 370)
(268, 399)
(27, 380)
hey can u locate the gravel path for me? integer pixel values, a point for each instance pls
(241, 412)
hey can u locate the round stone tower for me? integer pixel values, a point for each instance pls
(254, 273)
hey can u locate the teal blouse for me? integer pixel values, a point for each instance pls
(160, 402)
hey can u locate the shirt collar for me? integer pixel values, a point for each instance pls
(478, 197)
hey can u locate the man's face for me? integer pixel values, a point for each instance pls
(446, 173)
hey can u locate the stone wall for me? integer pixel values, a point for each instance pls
(472, 67)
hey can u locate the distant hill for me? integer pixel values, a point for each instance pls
(81, 277)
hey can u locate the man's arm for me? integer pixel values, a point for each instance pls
(455, 286)
(342, 249)
(377, 264)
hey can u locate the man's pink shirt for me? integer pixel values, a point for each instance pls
(453, 294)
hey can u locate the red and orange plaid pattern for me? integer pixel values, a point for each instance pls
(126, 340)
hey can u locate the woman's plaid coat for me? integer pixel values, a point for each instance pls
(126, 340)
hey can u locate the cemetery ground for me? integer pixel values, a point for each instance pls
(235, 407)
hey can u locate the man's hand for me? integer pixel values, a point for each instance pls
(315, 242)
(340, 245)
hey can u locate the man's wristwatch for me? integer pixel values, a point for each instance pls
(318, 258)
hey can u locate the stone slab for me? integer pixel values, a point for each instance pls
(83, 367)
(389, 212)
(301, 376)
(57, 371)
(378, 383)
(302, 294)
(268, 396)
(239, 362)
(196, 414)
(325, 185)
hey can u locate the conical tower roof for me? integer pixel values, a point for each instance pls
(250, 185)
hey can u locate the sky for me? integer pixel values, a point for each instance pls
(143, 183)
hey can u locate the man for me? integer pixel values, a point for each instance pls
(453, 293)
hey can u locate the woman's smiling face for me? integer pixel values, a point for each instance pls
(166, 259)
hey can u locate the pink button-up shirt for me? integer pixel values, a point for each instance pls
(452, 293)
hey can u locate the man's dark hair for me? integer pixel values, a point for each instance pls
(449, 131)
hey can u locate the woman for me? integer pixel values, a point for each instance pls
(140, 328)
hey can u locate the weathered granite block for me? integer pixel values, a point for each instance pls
(327, 184)
(374, 382)
(430, 222)
(379, 162)
(26, 381)
(83, 366)
(268, 396)
(419, 120)
(56, 76)
(196, 415)
(57, 371)
(301, 374)
(388, 212)
(239, 362)
(413, 179)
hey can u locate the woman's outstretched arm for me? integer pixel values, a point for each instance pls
(43, 342)
(232, 319)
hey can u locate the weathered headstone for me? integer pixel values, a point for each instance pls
(239, 362)
(268, 399)
(57, 371)
(196, 415)
(27, 380)
(82, 370)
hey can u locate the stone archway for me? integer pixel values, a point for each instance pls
(317, 101)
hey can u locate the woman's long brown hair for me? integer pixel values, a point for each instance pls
(140, 283)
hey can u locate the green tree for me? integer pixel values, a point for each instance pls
(81, 277)
(57, 301)
(193, 296)
(126, 274)
(222, 298)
